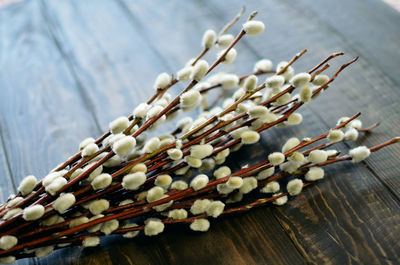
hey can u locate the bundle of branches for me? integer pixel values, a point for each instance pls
(122, 183)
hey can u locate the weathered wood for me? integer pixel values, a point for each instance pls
(43, 116)
(105, 54)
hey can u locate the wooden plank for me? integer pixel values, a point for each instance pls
(42, 109)
(113, 63)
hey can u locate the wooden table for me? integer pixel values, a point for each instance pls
(69, 67)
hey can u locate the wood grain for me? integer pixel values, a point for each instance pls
(69, 67)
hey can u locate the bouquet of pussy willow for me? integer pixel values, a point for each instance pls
(123, 183)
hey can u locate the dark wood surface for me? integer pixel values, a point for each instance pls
(69, 67)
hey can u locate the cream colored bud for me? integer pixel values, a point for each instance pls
(33, 212)
(201, 225)
(101, 181)
(162, 81)
(253, 27)
(134, 180)
(27, 185)
(199, 182)
(119, 125)
(276, 158)
(124, 146)
(209, 39)
(199, 70)
(359, 153)
(64, 202)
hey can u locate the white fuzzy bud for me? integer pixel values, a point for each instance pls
(33, 212)
(101, 181)
(294, 119)
(275, 81)
(199, 206)
(342, 120)
(109, 226)
(153, 227)
(95, 172)
(11, 213)
(154, 111)
(250, 83)
(222, 172)
(234, 182)
(289, 166)
(239, 94)
(225, 40)
(179, 185)
(215, 208)
(151, 145)
(222, 154)
(314, 173)
(294, 187)
(229, 81)
(64, 202)
(89, 150)
(356, 124)
(201, 150)
(163, 181)
(91, 241)
(249, 184)
(199, 70)
(76, 173)
(190, 100)
(300, 80)
(271, 187)
(177, 214)
(130, 234)
(291, 143)
(258, 111)
(98, 206)
(320, 80)
(141, 110)
(139, 168)
(335, 136)
(27, 185)
(276, 158)
(154, 194)
(263, 66)
(253, 27)
(56, 185)
(85, 142)
(14, 202)
(119, 125)
(199, 182)
(125, 202)
(175, 154)
(296, 157)
(281, 200)
(43, 251)
(229, 57)
(193, 161)
(351, 134)
(224, 189)
(209, 39)
(124, 146)
(359, 153)
(133, 181)
(7, 242)
(183, 75)
(250, 137)
(162, 81)
(201, 225)
(7, 259)
(318, 156)
(266, 173)
(305, 94)
(78, 221)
